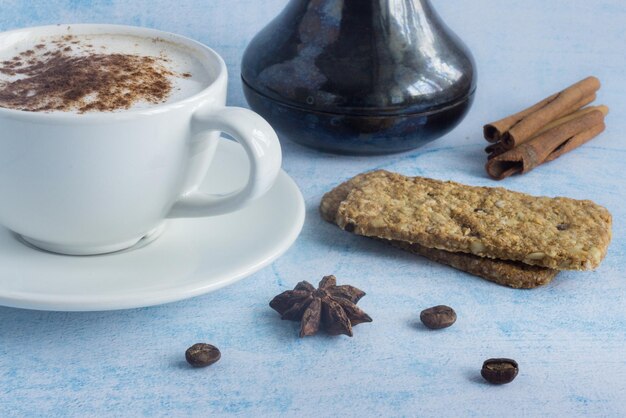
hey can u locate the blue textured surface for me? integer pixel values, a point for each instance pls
(569, 337)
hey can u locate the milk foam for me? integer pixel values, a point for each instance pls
(190, 75)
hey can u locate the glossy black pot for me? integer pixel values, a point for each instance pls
(359, 76)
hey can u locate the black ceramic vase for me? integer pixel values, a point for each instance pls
(359, 76)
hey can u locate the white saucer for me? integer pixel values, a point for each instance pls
(191, 256)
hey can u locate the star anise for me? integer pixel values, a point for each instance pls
(329, 306)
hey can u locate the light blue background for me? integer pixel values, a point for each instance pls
(569, 337)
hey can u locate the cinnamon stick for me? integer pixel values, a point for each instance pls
(566, 102)
(498, 148)
(493, 131)
(495, 149)
(572, 116)
(561, 105)
(549, 145)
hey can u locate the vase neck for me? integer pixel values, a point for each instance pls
(395, 6)
(386, 16)
(378, 55)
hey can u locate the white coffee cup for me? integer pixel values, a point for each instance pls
(95, 183)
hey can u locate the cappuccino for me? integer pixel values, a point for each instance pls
(97, 73)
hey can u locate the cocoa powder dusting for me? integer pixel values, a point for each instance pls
(60, 80)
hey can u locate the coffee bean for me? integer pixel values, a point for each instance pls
(438, 317)
(499, 370)
(202, 355)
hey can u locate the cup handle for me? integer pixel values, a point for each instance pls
(262, 147)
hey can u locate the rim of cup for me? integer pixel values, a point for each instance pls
(207, 56)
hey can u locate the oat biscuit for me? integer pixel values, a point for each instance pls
(558, 233)
(508, 273)
(331, 200)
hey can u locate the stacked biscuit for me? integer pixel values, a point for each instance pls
(507, 237)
